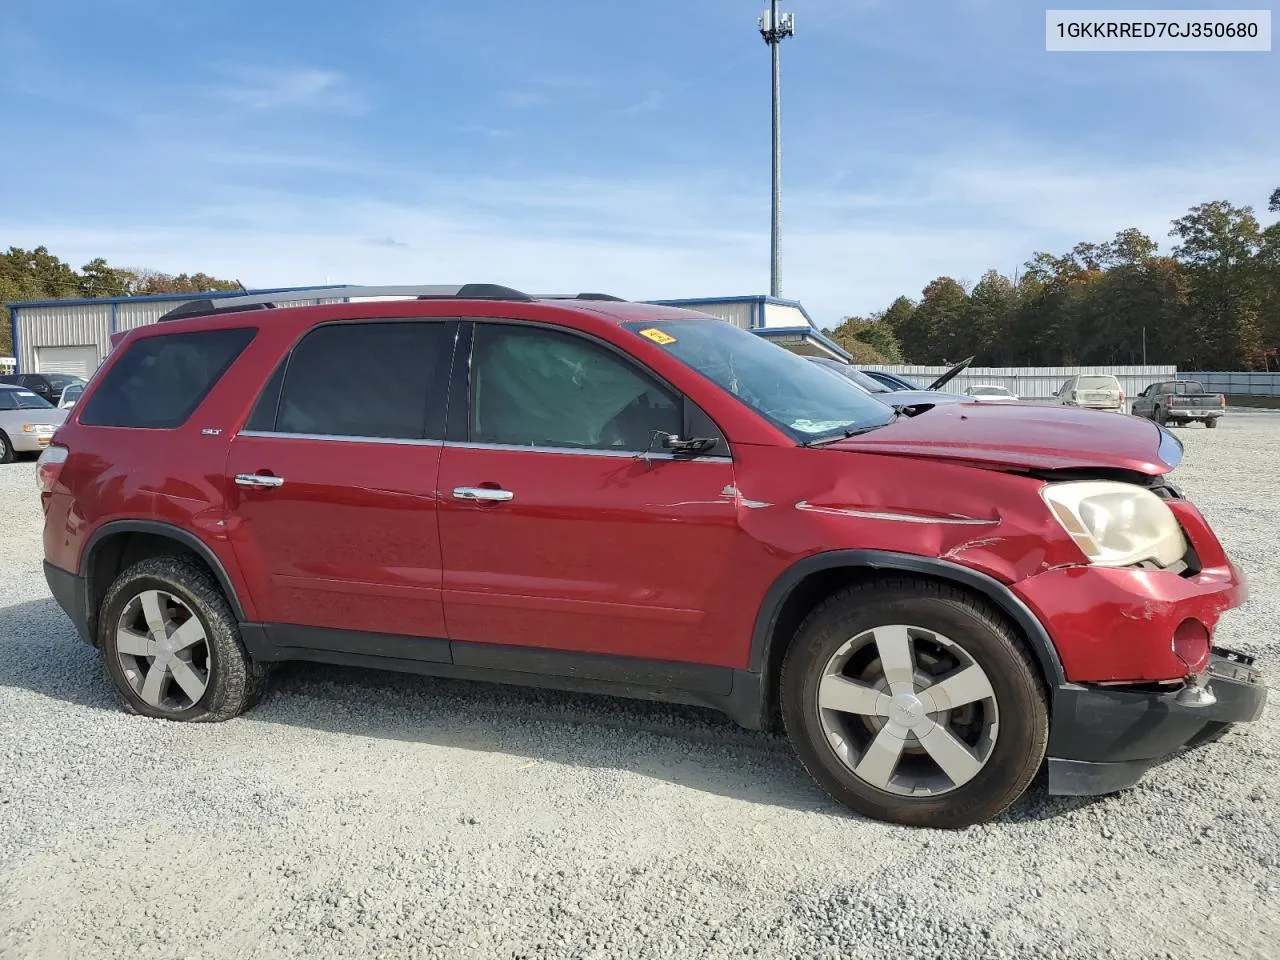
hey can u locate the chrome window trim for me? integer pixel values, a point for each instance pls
(342, 438)
(587, 451)
(462, 445)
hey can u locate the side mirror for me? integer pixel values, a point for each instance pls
(691, 447)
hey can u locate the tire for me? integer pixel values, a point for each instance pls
(1160, 417)
(1211, 423)
(831, 743)
(6, 448)
(181, 590)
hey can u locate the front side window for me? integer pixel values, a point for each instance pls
(784, 388)
(536, 387)
(160, 380)
(357, 380)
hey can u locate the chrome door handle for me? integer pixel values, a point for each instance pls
(481, 493)
(257, 480)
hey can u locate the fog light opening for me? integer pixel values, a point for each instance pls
(1191, 644)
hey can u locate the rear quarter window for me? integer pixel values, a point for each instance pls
(161, 380)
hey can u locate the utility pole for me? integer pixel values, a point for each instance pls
(774, 27)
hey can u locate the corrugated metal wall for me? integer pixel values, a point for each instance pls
(781, 315)
(77, 324)
(1029, 383)
(69, 326)
(739, 314)
(1237, 383)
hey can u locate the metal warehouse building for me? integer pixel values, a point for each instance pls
(74, 336)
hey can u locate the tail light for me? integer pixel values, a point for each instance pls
(1222, 400)
(1122, 396)
(1168, 399)
(49, 466)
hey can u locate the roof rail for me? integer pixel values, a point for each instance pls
(265, 301)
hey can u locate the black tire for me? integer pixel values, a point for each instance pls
(1211, 423)
(1015, 680)
(235, 681)
(6, 448)
(1160, 417)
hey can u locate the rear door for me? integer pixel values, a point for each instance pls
(558, 532)
(334, 512)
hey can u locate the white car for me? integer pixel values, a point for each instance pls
(27, 421)
(1095, 391)
(989, 393)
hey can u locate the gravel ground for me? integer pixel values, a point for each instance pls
(357, 814)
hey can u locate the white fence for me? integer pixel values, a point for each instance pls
(1238, 383)
(1029, 383)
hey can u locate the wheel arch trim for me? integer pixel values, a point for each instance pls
(995, 591)
(168, 531)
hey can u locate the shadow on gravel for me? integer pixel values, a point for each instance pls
(693, 747)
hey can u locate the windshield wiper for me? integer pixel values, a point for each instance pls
(856, 431)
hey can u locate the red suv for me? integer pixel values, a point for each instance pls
(609, 496)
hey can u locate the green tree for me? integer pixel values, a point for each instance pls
(867, 340)
(1218, 245)
(992, 311)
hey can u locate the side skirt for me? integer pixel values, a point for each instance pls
(737, 693)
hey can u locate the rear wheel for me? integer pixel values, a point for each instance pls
(1161, 417)
(171, 645)
(1211, 422)
(913, 702)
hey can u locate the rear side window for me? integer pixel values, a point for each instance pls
(159, 381)
(357, 380)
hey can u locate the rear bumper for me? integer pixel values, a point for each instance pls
(69, 591)
(1104, 739)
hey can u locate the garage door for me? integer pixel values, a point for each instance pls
(79, 361)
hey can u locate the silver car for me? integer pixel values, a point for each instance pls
(27, 421)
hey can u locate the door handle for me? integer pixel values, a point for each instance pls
(481, 493)
(258, 480)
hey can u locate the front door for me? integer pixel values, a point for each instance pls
(333, 519)
(558, 532)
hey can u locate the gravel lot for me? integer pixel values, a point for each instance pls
(357, 814)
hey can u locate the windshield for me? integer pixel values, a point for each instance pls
(784, 388)
(26, 400)
(846, 371)
(60, 381)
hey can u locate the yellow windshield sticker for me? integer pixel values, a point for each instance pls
(657, 336)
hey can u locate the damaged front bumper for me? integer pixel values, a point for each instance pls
(1104, 738)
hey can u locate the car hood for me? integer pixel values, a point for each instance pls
(50, 415)
(901, 398)
(1025, 437)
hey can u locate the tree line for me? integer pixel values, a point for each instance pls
(39, 275)
(1211, 303)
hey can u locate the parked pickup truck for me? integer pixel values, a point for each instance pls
(1180, 402)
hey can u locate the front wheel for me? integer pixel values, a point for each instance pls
(6, 448)
(171, 646)
(914, 702)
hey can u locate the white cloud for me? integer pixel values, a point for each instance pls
(278, 88)
(843, 251)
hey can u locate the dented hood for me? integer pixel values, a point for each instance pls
(1017, 436)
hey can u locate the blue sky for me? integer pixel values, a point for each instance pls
(604, 145)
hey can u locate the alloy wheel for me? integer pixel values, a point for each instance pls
(908, 710)
(163, 651)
